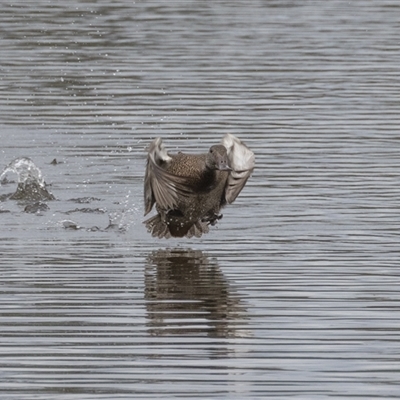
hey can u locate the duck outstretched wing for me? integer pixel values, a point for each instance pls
(242, 161)
(160, 186)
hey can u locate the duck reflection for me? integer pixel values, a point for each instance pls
(187, 294)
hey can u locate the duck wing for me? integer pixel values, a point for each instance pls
(242, 161)
(161, 186)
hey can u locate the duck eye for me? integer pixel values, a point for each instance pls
(211, 150)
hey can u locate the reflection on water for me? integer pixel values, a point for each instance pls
(187, 294)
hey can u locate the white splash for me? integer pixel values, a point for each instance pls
(26, 170)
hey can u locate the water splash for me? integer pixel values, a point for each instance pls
(31, 185)
(122, 220)
(25, 169)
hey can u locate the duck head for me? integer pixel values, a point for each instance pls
(217, 158)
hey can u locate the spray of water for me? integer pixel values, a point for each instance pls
(31, 185)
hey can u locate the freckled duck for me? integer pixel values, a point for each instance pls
(189, 189)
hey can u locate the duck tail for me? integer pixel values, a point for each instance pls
(157, 227)
(197, 229)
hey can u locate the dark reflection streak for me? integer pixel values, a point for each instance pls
(187, 294)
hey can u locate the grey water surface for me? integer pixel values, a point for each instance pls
(294, 294)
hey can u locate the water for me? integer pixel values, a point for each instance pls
(294, 294)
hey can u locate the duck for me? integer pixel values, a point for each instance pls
(189, 190)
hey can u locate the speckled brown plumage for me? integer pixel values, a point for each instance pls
(189, 190)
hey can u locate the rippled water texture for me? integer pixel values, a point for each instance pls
(295, 292)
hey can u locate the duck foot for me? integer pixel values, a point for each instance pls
(213, 219)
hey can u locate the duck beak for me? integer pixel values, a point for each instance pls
(223, 166)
